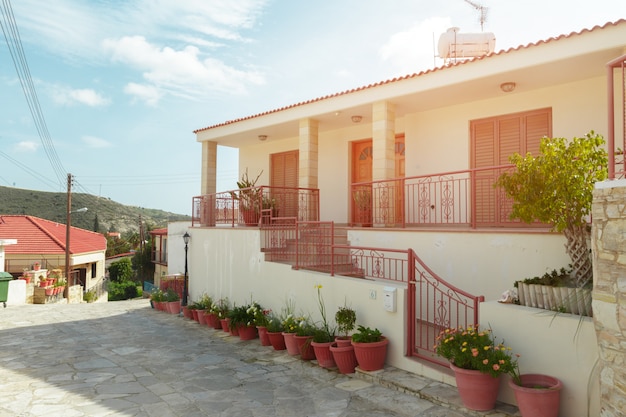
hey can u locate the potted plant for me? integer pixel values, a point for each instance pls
(478, 363)
(537, 395)
(261, 320)
(370, 348)
(275, 333)
(323, 335)
(290, 325)
(172, 301)
(241, 322)
(345, 317)
(36, 266)
(157, 299)
(249, 198)
(303, 338)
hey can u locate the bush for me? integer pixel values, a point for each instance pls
(89, 296)
(123, 290)
(121, 270)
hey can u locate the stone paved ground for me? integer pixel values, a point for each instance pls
(125, 359)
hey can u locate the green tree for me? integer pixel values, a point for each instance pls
(556, 188)
(142, 262)
(121, 270)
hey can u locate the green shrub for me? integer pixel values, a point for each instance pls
(123, 290)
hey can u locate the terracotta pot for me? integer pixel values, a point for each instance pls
(263, 337)
(343, 341)
(246, 332)
(217, 324)
(49, 291)
(173, 307)
(344, 358)
(187, 313)
(194, 314)
(210, 319)
(224, 323)
(478, 391)
(234, 331)
(277, 340)
(304, 347)
(290, 343)
(323, 355)
(201, 317)
(538, 396)
(371, 356)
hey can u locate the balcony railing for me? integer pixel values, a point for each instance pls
(255, 205)
(461, 198)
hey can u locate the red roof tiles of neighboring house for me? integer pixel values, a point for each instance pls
(40, 236)
(421, 73)
(162, 231)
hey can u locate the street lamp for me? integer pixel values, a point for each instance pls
(186, 238)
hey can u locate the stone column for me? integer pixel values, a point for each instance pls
(308, 156)
(208, 181)
(383, 164)
(608, 242)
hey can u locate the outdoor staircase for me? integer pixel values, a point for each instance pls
(312, 251)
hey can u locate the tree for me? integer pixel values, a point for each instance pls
(556, 188)
(121, 270)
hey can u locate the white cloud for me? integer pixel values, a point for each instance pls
(94, 142)
(179, 72)
(143, 92)
(68, 96)
(26, 146)
(412, 50)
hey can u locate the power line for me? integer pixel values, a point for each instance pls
(14, 43)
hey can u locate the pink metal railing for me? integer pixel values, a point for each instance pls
(465, 197)
(255, 205)
(432, 305)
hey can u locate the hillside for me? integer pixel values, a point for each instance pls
(112, 216)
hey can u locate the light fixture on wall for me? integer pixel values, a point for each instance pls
(357, 119)
(507, 87)
(262, 137)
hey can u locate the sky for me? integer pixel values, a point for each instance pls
(121, 85)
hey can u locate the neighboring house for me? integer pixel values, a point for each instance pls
(43, 241)
(402, 164)
(159, 254)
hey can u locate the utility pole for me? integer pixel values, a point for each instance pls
(68, 270)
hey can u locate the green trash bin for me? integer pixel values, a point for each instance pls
(5, 277)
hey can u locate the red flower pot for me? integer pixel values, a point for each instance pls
(371, 356)
(246, 332)
(210, 319)
(538, 396)
(304, 347)
(478, 391)
(194, 314)
(224, 323)
(201, 317)
(343, 341)
(49, 291)
(187, 313)
(344, 358)
(277, 340)
(263, 337)
(323, 355)
(290, 343)
(173, 307)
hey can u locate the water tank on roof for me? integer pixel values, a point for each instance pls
(456, 45)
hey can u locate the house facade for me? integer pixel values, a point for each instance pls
(408, 163)
(42, 242)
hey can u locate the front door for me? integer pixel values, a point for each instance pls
(361, 196)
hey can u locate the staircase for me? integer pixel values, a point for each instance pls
(310, 247)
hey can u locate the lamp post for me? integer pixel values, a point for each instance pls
(186, 238)
(68, 226)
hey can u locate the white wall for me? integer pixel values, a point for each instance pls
(227, 262)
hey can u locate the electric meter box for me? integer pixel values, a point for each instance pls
(389, 299)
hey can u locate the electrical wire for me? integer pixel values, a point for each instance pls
(14, 43)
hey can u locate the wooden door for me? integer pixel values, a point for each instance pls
(399, 185)
(361, 197)
(284, 183)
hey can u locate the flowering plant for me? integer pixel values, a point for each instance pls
(323, 332)
(220, 308)
(291, 323)
(261, 316)
(476, 349)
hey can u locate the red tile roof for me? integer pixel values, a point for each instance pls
(162, 231)
(421, 73)
(40, 236)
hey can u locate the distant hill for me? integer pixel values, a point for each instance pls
(112, 216)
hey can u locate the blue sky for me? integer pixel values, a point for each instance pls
(123, 84)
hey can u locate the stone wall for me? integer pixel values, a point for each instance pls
(608, 243)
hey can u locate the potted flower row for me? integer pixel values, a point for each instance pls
(479, 362)
(167, 301)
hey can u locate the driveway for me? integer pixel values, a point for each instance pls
(125, 359)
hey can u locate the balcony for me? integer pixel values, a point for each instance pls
(255, 206)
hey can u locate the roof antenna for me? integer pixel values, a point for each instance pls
(483, 12)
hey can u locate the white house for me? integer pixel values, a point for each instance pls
(403, 164)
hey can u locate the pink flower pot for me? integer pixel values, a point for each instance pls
(323, 355)
(344, 358)
(246, 332)
(304, 347)
(371, 356)
(277, 340)
(224, 323)
(263, 337)
(538, 396)
(478, 391)
(201, 317)
(290, 343)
